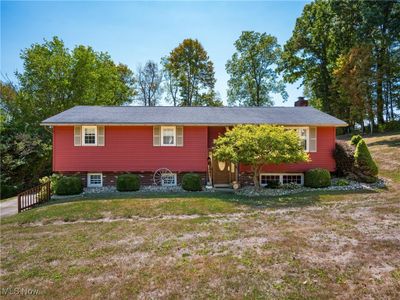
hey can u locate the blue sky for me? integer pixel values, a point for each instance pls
(133, 32)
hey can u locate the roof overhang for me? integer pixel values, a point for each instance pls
(189, 124)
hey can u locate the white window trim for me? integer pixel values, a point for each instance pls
(162, 136)
(168, 174)
(281, 176)
(308, 136)
(94, 185)
(83, 135)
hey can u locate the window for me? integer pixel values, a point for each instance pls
(168, 179)
(95, 180)
(282, 178)
(89, 135)
(303, 133)
(168, 136)
(265, 179)
(291, 179)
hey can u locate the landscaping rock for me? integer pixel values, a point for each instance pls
(250, 191)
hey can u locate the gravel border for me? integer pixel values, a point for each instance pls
(248, 191)
(353, 185)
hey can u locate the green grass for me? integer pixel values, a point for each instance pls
(113, 206)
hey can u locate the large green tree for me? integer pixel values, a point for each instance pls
(53, 79)
(325, 32)
(353, 81)
(252, 70)
(258, 145)
(307, 54)
(191, 69)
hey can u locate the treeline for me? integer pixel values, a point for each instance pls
(345, 53)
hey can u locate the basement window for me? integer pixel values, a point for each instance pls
(282, 178)
(168, 179)
(95, 180)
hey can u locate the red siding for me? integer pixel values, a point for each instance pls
(323, 158)
(130, 148)
(213, 133)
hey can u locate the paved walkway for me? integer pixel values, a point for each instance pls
(8, 207)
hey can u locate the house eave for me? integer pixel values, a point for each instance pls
(188, 124)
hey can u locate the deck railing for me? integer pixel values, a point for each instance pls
(34, 196)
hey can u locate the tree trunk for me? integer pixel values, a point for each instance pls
(256, 177)
(379, 92)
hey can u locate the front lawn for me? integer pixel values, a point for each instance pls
(202, 245)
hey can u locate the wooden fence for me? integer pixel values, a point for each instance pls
(34, 196)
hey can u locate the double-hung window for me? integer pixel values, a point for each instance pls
(89, 135)
(304, 135)
(168, 136)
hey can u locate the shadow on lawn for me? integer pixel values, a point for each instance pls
(393, 142)
(257, 202)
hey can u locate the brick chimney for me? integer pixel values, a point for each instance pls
(301, 102)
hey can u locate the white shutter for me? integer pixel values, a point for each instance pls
(313, 139)
(179, 136)
(77, 135)
(156, 135)
(100, 135)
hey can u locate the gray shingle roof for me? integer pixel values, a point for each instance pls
(193, 116)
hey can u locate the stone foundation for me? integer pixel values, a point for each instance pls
(246, 179)
(146, 178)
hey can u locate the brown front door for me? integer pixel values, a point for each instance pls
(221, 173)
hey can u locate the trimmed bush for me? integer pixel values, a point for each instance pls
(342, 182)
(364, 160)
(191, 182)
(68, 185)
(317, 178)
(128, 183)
(273, 184)
(344, 157)
(356, 139)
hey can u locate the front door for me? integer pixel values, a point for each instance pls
(221, 173)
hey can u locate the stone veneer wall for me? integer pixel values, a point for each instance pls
(110, 178)
(246, 178)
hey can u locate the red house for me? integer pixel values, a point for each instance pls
(101, 142)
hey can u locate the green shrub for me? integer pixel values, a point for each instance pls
(364, 160)
(53, 180)
(128, 183)
(191, 182)
(273, 184)
(342, 182)
(317, 178)
(344, 157)
(389, 126)
(68, 185)
(7, 191)
(356, 139)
